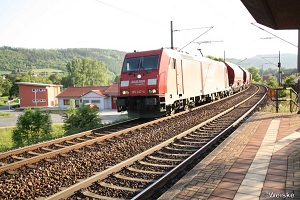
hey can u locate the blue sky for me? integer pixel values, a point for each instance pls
(138, 25)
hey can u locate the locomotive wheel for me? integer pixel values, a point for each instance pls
(170, 111)
(186, 107)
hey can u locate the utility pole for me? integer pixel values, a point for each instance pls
(279, 83)
(172, 47)
(279, 71)
(279, 64)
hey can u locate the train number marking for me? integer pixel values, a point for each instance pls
(138, 92)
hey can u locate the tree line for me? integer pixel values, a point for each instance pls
(13, 59)
(79, 72)
(272, 77)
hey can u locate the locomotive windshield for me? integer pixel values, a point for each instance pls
(141, 63)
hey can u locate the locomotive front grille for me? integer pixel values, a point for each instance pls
(151, 101)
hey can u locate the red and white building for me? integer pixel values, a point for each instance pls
(38, 94)
(104, 97)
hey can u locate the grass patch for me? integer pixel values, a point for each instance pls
(58, 131)
(5, 114)
(283, 107)
(6, 142)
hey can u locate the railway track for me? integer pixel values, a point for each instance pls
(76, 168)
(139, 177)
(14, 159)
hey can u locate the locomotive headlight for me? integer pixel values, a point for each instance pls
(125, 92)
(152, 91)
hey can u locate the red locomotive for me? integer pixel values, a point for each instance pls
(160, 82)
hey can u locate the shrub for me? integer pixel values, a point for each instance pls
(81, 119)
(32, 126)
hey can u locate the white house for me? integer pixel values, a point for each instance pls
(102, 96)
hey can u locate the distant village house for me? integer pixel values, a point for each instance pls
(104, 97)
(38, 94)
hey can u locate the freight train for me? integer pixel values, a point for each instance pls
(160, 82)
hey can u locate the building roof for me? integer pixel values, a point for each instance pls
(276, 14)
(81, 91)
(113, 90)
(38, 84)
(97, 92)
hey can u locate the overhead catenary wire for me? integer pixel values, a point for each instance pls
(269, 62)
(209, 28)
(274, 35)
(200, 42)
(190, 29)
(205, 42)
(110, 5)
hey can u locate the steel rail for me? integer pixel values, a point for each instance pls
(63, 150)
(163, 180)
(34, 159)
(56, 141)
(67, 192)
(82, 134)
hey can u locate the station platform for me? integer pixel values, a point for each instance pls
(259, 160)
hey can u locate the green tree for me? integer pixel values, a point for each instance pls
(6, 85)
(81, 119)
(14, 89)
(1, 86)
(289, 81)
(55, 78)
(66, 81)
(272, 82)
(290, 71)
(32, 126)
(270, 71)
(255, 74)
(19, 77)
(87, 72)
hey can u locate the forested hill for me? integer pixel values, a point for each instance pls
(27, 59)
(13, 59)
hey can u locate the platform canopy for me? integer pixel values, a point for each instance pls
(276, 14)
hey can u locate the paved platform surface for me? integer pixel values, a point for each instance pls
(260, 160)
